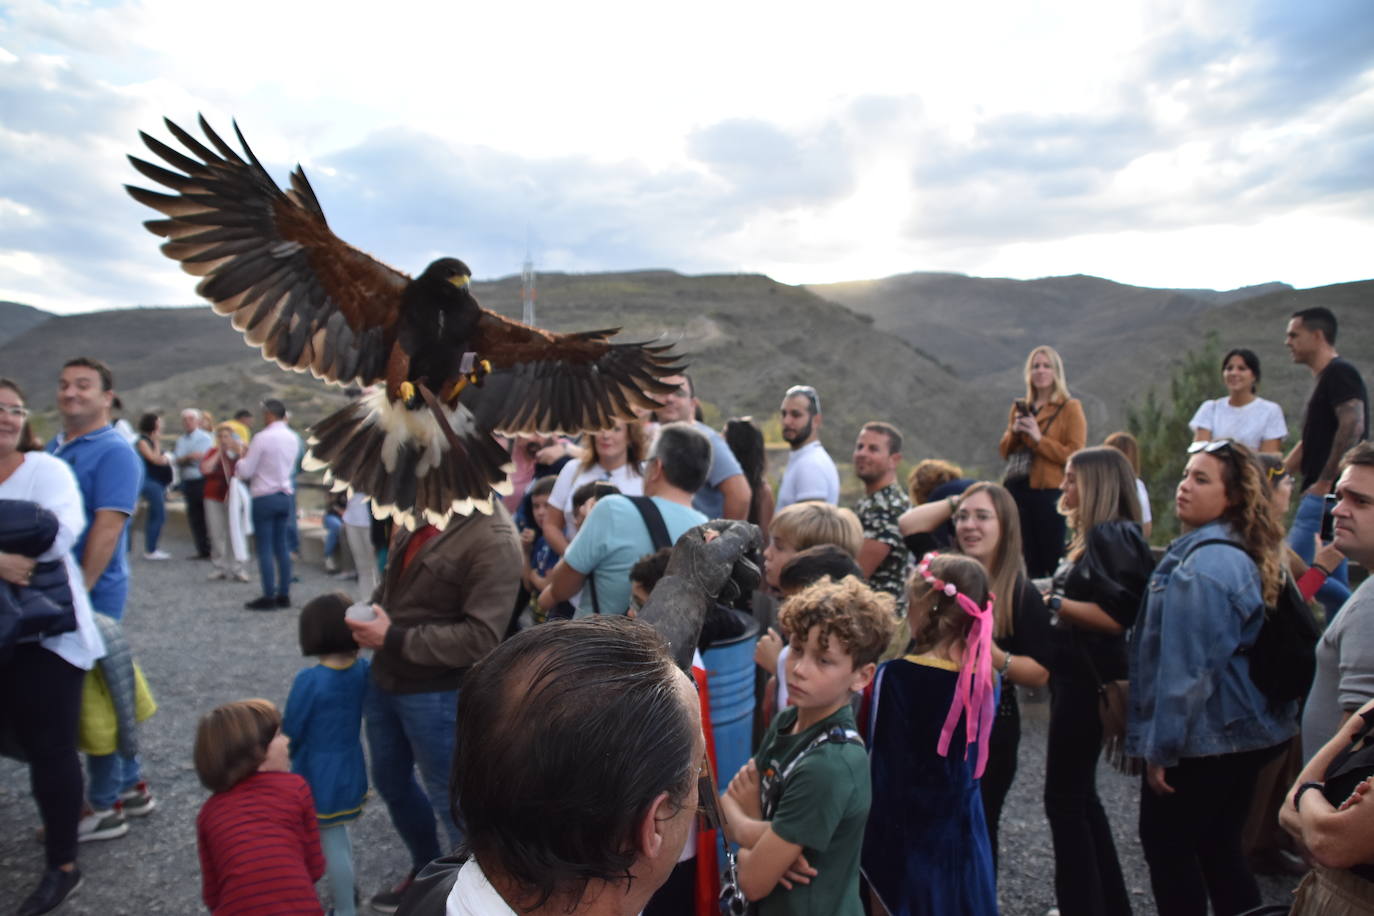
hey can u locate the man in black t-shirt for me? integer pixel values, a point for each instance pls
(1337, 417)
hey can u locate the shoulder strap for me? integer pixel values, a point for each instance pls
(658, 534)
(653, 520)
(1050, 421)
(837, 735)
(1236, 544)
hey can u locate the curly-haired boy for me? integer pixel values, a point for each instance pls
(798, 808)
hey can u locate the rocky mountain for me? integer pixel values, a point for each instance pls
(941, 355)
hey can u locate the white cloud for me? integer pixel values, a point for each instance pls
(1161, 142)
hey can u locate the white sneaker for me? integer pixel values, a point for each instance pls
(216, 575)
(102, 825)
(157, 555)
(242, 576)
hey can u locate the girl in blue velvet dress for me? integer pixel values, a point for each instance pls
(324, 717)
(926, 848)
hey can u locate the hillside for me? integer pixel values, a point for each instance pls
(939, 354)
(15, 319)
(747, 337)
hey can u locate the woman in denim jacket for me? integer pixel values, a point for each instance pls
(1201, 724)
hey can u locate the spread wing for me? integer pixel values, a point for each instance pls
(546, 382)
(310, 301)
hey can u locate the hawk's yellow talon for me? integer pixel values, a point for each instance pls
(407, 391)
(486, 366)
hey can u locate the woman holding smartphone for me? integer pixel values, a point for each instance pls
(1043, 429)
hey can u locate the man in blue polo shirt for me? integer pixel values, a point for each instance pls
(109, 473)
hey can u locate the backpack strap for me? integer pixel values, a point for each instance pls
(837, 735)
(1204, 543)
(1268, 610)
(653, 520)
(773, 786)
(658, 534)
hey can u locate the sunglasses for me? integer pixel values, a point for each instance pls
(807, 392)
(1210, 447)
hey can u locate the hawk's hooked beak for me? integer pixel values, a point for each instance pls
(460, 280)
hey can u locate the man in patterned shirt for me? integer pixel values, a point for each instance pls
(884, 555)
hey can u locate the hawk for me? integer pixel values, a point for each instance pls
(421, 445)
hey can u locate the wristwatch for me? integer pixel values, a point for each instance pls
(1054, 602)
(1297, 796)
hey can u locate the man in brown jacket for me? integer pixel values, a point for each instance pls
(444, 602)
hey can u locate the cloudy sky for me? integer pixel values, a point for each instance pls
(1171, 143)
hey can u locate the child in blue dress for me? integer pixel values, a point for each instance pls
(324, 715)
(926, 849)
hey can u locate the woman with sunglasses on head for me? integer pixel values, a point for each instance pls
(987, 529)
(1196, 718)
(1093, 600)
(1242, 416)
(1043, 429)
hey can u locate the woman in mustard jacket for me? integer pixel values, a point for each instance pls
(1043, 429)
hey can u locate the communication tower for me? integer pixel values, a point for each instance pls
(527, 291)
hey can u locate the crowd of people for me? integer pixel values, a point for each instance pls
(891, 638)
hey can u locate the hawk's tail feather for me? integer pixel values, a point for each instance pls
(407, 462)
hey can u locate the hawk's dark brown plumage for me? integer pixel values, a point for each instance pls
(454, 372)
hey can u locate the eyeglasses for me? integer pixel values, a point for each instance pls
(807, 392)
(1210, 447)
(15, 411)
(708, 804)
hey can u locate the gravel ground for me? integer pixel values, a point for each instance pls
(200, 648)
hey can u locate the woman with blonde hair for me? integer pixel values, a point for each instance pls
(613, 455)
(1043, 429)
(1093, 600)
(1197, 718)
(228, 541)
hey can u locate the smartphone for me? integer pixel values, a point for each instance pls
(1328, 532)
(1022, 407)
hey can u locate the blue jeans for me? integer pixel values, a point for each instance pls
(270, 516)
(333, 524)
(293, 528)
(403, 730)
(110, 774)
(1306, 523)
(156, 495)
